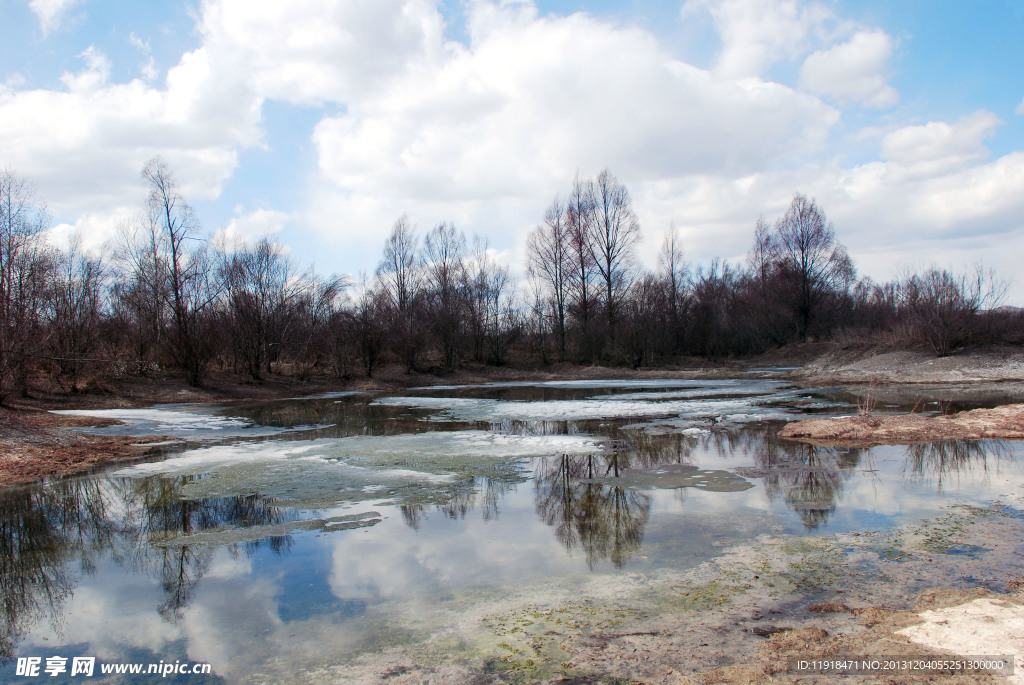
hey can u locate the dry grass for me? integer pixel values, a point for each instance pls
(1001, 423)
(36, 444)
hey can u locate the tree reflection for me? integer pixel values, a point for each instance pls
(164, 514)
(809, 479)
(472, 490)
(605, 521)
(50, 531)
(938, 461)
(41, 534)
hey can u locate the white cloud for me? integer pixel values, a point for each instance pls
(137, 43)
(97, 231)
(1020, 109)
(939, 146)
(85, 145)
(250, 227)
(315, 51)
(496, 123)
(94, 76)
(50, 12)
(147, 68)
(854, 71)
(758, 33)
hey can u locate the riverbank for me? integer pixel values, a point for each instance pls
(837, 365)
(867, 430)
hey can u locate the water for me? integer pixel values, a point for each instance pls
(280, 537)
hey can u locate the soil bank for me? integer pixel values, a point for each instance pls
(1000, 423)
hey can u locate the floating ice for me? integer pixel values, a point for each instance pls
(327, 471)
(459, 444)
(204, 458)
(227, 535)
(739, 409)
(178, 421)
(619, 383)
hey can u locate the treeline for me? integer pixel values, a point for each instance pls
(168, 299)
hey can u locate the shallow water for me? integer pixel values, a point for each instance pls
(284, 536)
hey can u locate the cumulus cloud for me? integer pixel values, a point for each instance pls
(938, 145)
(315, 51)
(86, 144)
(495, 123)
(50, 12)
(854, 71)
(756, 34)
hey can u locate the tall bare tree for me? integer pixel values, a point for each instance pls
(444, 268)
(491, 297)
(400, 275)
(615, 232)
(75, 312)
(673, 272)
(547, 249)
(812, 263)
(186, 267)
(579, 218)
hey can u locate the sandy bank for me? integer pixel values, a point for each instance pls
(1000, 423)
(866, 365)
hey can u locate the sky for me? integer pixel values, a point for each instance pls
(321, 122)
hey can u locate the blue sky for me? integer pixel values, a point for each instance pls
(322, 122)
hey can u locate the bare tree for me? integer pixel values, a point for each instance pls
(811, 263)
(139, 294)
(547, 249)
(186, 267)
(674, 272)
(492, 316)
(75, 312)
(444, 268)
(370, 323)
(260, 285)
(401, 279)
(943, 307)
(615, 232)
(579, 217)
(317, 301)
(645, 301)
(23, 280)
(768, 287)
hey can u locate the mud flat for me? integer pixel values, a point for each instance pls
(746, 616)
(37, 444)
(1000, 423)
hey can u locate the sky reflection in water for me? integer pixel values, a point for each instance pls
(291, 549)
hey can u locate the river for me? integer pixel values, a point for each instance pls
(276, 538)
